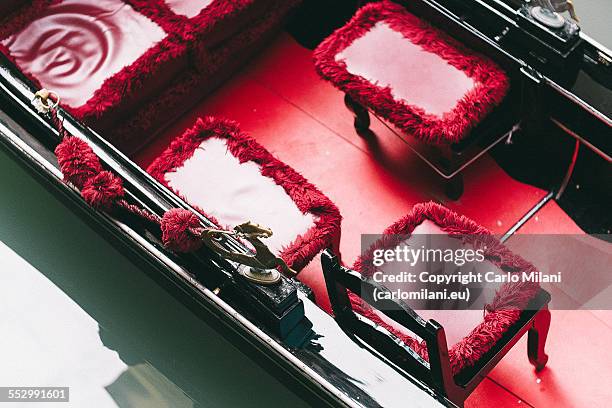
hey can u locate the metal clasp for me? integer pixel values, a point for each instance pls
(45, 100)
(262, 265)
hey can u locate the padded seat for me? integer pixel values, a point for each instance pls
(74, 46)
(232, 179)
(209, 68)
(410, 73)
(126, 68)
(469, 333)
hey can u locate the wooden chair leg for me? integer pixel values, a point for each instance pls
(453, 187)
(362, 117)
(536, 339)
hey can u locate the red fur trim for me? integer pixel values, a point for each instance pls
(159, 12)
(176, 226)
(209, 19)
(16, 22)
(131, 80)
(200, 26)
(102, 190)
(106, 109)
(78, 162)
(219, 10)
(305, 195)
(505, 309)
(196, 83)
(491, 82)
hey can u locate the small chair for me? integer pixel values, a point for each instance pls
(229, 177)
(477, 342)
(429, 89)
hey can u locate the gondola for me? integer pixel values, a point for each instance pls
(92, 90)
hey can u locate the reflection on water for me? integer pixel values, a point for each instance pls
(143, 386)
(595, 17)
(47, 339)
(74, 312)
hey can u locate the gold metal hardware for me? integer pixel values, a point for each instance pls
(45, 100)
(565, 5)
(262, 265)
(603, 59)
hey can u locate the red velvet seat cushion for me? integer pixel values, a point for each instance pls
(410, 73)
(205, 22)
(74, 46)
(236, 25)
(231, 178)
(125, 67)
(469, 334)
(104, 58)
(215, 67)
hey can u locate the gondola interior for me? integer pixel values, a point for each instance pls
(293, 116)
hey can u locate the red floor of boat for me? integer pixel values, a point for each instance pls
(280, 100)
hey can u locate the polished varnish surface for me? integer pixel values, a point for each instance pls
(75, 45)
(247, 196)
(417, 77)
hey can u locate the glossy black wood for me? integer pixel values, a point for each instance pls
(577, 85)
(278, 305)
(436, 372)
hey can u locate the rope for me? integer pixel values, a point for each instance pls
(181, 229)
(102, 189)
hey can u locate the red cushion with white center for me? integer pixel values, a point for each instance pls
(228, 176)
(75, 45)
(469, 334)
(411, 74)
(127, 68)
(105, 59)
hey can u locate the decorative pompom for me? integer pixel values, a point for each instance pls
(102, 190)
(177, 226)
(77, 161)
